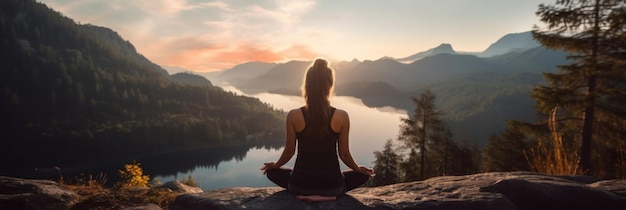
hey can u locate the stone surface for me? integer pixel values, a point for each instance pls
(150, 206)
(498, 190)
(16, 193)
(178, 187)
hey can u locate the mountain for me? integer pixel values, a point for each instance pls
(243, 72)
(515, 42)
(190, 79)
(477, 94)
(279, 78)
(81, 95)
(538, 60)
(175, 69)
(441, 49)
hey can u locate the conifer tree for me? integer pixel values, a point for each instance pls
(410, 167)
(505, 152)
(593, 32)
(386, 165)
(426, 135)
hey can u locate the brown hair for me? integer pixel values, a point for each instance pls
(317, 88)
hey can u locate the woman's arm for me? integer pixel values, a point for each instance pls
(290, 144)
(344, 146)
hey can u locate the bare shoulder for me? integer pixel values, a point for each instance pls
(294, 114)
(340, 121)
(341, 114)
(294, 111)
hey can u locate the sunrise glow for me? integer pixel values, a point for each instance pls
(215, 35)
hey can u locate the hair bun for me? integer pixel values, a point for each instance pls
(320, 63)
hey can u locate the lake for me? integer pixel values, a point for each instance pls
(214, 169)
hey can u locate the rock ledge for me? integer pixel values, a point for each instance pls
(497, 190)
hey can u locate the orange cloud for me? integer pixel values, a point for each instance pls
(299, 52)
(199, 55)
(247, 52)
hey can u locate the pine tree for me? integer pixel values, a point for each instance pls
(426, 135)
(410, 166)
(386, 165)
(593, 33)
(505, 152)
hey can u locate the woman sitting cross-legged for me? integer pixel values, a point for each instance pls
(320, 132)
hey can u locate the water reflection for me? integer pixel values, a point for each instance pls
(185, 162)
(239, 167)
(240, 171)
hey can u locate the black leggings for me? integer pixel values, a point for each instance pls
(353, 179)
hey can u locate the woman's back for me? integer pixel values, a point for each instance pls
(321, 134)
(317, 152)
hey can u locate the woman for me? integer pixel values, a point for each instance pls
(319, 130)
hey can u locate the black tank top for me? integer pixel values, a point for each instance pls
(317, 168)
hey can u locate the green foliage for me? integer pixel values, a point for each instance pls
(83, 91)
(132, 176)
(430, 143)
(386, 166)
(190, 78)
(505, 152)
(583, 92)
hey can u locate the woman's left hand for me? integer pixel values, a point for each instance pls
(268, 166)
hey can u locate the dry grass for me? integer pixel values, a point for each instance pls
(550, 156)
(121, 198)
(95, 196)
(189, 181)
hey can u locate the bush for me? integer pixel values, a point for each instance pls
(132, 176)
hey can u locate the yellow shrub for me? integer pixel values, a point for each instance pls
(132, 176)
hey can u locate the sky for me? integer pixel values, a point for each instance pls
(205, 35)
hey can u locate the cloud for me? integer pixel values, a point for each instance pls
(201, 54)
(201, 36)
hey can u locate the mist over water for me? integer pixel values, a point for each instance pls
(370, 128)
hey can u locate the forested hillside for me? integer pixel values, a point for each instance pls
(476, 94)
(80, 94)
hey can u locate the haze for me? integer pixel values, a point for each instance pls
(214, 35)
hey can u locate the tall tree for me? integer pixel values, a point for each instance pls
(505, 152)
(593, 32)
(386, 165)
(427, 135)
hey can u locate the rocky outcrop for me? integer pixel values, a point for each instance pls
(16, 193)
(498, 190)
(178, 187)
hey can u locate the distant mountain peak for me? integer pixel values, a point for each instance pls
(513, 42)
(441, 49)
(386, 58)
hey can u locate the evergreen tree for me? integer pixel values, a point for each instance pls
(410, 167)
(505, 152)
(386, 165)
(85, 92)
(593, 33)
(426, 135)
